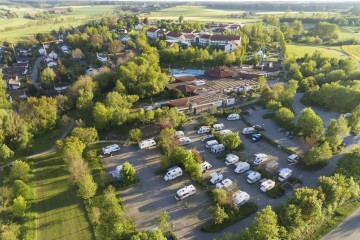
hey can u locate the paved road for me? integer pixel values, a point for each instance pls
(35, 72)
(349, 229)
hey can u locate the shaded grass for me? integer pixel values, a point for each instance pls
(300, 50)
(60, 214)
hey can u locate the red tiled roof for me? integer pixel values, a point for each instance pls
(187, 31)
(185, 79)
(189, 35)
(219, 72)
(205, 36)
(186, 88)
(173, 34)
(179, 102)
(224, 37)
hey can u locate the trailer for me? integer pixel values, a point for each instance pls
(185, 192)
(217, 148)
(240, 198)
(241, 167)
(218, 126)
(284, 173)
(110, 149)
(147, 143)
(267, 185)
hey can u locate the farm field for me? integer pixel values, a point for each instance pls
(301, 50)
(353, 50)
(59, 212)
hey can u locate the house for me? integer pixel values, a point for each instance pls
(222, 40)
(220, 72)
(48, 60)
(12, 81)
(187, 31)
(138, 27)
(124, 39)
(174, 36)
(187, 90)
(65, 49)
(185, 79)
(219, 30)
(102, 57)
(17, 93)
(188, 38)
(231, 46)
(41, 51)
(152, 33)
(203, 39)
(25, 51)
(51, 64)
(22, 59)
(122, 30)
(53, 55)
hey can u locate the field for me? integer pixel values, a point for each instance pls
(353, 50)
(60, 214)
(300, 50)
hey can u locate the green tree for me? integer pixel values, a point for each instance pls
(284, 116)
(128, 174)
(181, 18)
(71, 145)
(349, 165)
(273, 106)
(87, 187)
(167, 140)
(309, 201)
(325, 30)
(218, 214)
(283, 45)
(22, 189)
(265, 225)
(101, 116)
(19, 207)
(5, 152)
(164, 222)
(220, 196)
(354, 120)
(297, 27)
(262, 82)
(317, 155)
(47, 77)
(231, 141)
(208, 119)
(85, 135)
(336, 132)
(10, 232)
(135, 135)
(19, 170)
(310, 124)
(266, 95)
(290, 216)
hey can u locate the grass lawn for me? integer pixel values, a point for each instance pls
(353, 50)
(60, 214)
(300, 50)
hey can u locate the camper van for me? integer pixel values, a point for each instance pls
(231, 159)
(241, 167)
(203, 129)
(211, 143)
(173, 173)
(217, 148)
(284, 174)
(248, 130)
(179, 134)
(240, 198)
(216, 177)
(205, 166)
(218, 126)
(267, 185)
(259, 158)
(207, 138)
(225, 132)
(185, 192)
(184, 141)
(293, 158)
(147, 143)
(226, 183)
(233, 116)
(253, 177)
(110, 149)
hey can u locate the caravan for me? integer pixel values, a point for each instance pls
(147, 143)
(211, 143)
(231, 159)
(185, 192)
(240, 198)
(267, 185)
(259, 158)
(110, 149)
(216, 177)
(217, 148)
(184, 141)
(293, 158)
(248, 130)
(205, 166)
(225, 132)
(241, 167)
(203, 129)
(218, 126)
(253, 177)
(284, 174)
(179, 134)
(233, 116)
(173, 173)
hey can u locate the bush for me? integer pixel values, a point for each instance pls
(276, 192)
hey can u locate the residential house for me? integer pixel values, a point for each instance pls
(152, 33)
(41, 51)
(22, 59)
(51, 64)
(102, 57)
(187, 38)
(185, 79)
(138, 27)
(187, 90)
(219, 30)
(187, 31)
(61, 87)
(65, 49)
(203, 40)
(53, 55)
(220, 72)
(12, 81)
(25, 51)
(23, 65)
(174, 36)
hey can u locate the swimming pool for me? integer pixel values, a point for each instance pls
(186, 72)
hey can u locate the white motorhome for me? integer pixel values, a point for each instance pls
(226, 183)
(233, 116)
(248, 130)
(205, 166)
(110, 149)
(217, 148)
(284, 174)
(203, 129)
(179, 134)
(173, 173)
(216, 177)
(211, 143)
(259, 158)
(267, 185)
(231, 159)
(218, 126)
(293, 158)
(185, 192)
(241, 167)
(240, 198)
(225, 132)
(253, 177)
(184, 141)
(147, 143)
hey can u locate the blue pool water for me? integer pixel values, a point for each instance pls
(186, 72)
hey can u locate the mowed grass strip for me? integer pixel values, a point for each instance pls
(352, 50)
(300, 50)
(60, 214)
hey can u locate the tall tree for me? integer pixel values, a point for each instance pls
(218, 214)
(19, 170)
(310, 124)
(19, 207)
(265, 225)
(318, 155)
(336, 132)
(87, 187)
(86, 135)
(128, 174)
(231, 141)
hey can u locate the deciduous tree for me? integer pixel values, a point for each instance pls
(87, 187)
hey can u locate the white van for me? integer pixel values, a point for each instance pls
(110, 149)
(173, 173)
(293, 158)
(179, 134)
(184, 141)
(241, 167)
(259, 158)
(203, 129)
(233, 116)
(147, 143)
(253, 177)
(231, 159)
(267, 185)
(284, 174)
(240, 198)
(225, 132)
(216, 177)
(211, 143)
(218, 126)
(226, 183)
(217, 148)
(185, 192)
(248, 130)
(205, 166)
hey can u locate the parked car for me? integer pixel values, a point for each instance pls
(207, 138)
(256, 137)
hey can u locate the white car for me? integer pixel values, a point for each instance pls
(231, 159)
(293, 158)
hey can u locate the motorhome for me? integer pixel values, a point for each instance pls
(253, 177)
(203, 129)
(110, 149)
(218, 126)
(240, 198)
(211, 143)
(179, 134)
(147, 143)
(259, 158)
(185, 192)
(284, 174)
(248, 130)
(207, 138)
(241, 167)
(233, 116)
(217, 148)
(225, 132)
(216, 177)
(184, 141)
(293, 158)
(173, 173)
(205, 166)
(226, 183)
(267, 185)
(231, 159)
